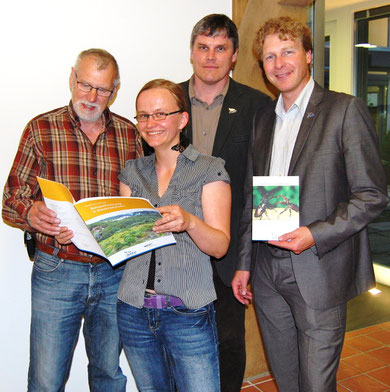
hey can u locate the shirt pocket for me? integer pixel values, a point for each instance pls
(189, 199)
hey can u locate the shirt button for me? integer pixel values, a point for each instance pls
(96, 194)
(159, 263)
(158, 280)
(204, 133)
(155, 205)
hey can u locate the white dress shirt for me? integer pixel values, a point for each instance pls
(286, 130)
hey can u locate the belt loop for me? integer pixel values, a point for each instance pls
(56, 250)
(168, 299)
(159, 302)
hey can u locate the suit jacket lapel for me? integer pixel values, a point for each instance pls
(307, 123)
(263, 141)
(230, 111)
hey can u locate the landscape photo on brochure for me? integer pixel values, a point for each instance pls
(275, 209)
(116, 228)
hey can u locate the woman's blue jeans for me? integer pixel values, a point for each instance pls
(171, 346)
(63, 293)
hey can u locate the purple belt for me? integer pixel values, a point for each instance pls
(158, 301)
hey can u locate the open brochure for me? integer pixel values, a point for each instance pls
(116, 228)
(275, 206)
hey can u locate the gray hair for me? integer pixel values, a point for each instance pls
(103, 60)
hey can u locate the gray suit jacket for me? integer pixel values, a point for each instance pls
(342, 189)
(231, 144)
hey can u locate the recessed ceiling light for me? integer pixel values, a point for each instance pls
(367, 45)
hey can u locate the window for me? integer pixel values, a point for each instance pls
(372, 82)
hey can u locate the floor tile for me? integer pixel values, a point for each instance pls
(386, 325)
(363, 383)
(352, 334)
(261, 379)
(245, 384)
(364, 343)
(364, 362)
(348, 351)
(365, 351)
(382, 353)
(340, 388)
(346, 371)
(361, 331)
(383, 375)
(250, 389)
(268, 386)
(382, 335)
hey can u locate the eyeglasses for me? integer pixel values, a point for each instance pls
(159, 116)
(86, 87)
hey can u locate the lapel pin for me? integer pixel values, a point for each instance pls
(310, 115)
(232, 110)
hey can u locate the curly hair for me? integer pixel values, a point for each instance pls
(287, 28)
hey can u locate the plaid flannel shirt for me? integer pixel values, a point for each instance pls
(54, 147)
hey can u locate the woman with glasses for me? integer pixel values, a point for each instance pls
(165, 308)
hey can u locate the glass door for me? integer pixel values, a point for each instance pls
(372, 82)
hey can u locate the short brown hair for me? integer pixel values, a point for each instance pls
(214, 25)
(287, 28)
(176, 91)
(103, 60)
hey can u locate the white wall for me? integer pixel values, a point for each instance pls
(39, 42)
(339, 25)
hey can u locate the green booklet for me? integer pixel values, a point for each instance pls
(275, 208)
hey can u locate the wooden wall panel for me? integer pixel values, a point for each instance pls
(249, 15)
(256, 12)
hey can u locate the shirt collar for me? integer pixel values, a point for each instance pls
(300, 103)
(190, 153)
(192, 93)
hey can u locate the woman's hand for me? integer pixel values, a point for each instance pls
(65, 236)
(174, 218)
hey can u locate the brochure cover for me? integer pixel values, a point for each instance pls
(275, 206)
(116, 228)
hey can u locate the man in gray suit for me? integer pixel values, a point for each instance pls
(221, 113)
(302, 282)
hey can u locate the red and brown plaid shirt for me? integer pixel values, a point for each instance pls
(54, 147)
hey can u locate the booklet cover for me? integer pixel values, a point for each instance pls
(116, 228)
(275, 206)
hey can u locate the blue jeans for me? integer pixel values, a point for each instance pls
(175, 345)
(64, 292)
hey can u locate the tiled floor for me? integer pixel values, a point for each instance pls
(364, 366)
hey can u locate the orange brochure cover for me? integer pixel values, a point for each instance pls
(116, 228)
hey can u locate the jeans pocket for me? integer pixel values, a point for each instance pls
(46, 263)
(184, 311)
